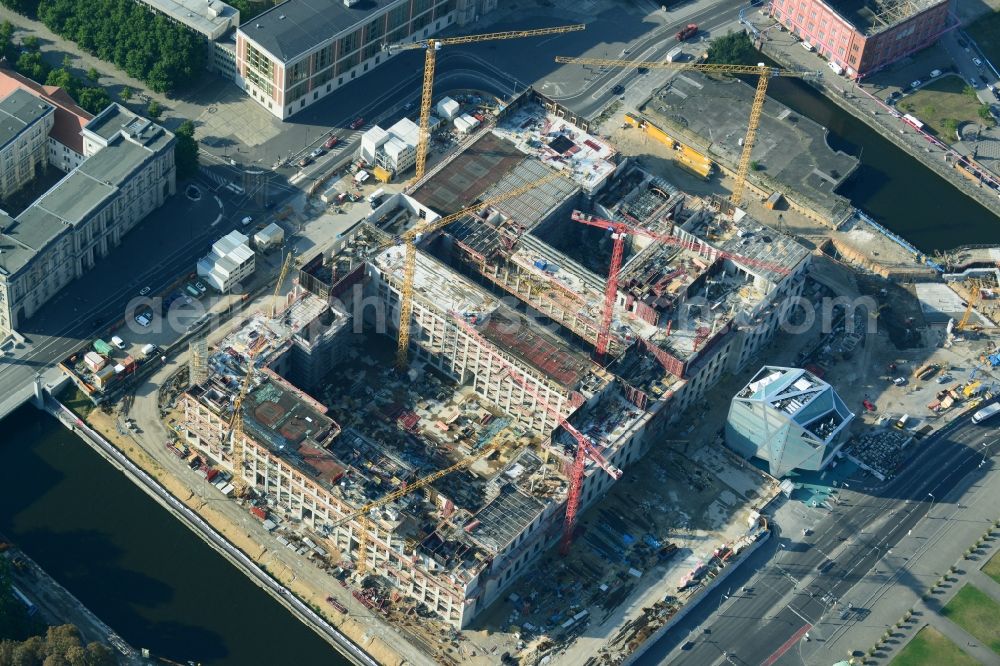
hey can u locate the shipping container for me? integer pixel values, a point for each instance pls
(102, 347)
(94, 361)
(104, 377)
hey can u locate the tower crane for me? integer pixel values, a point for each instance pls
(498, 441)
(408, 239)
(584, 450)
(281, 278)
(235, 435)
(764, 73)
(431, 47)
(619, 230)
(975, 293)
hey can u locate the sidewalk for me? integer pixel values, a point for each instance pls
(898, 582)
(856, 99)
(54, 48)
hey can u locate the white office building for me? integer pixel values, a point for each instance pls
(230, 262)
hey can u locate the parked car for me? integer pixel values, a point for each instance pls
(331, 142)
(977, 62)
(117, 342)
(935, 73)
(200, 287)
(915, 84)
(687, 32)
(246, 220)
(357, 122)
(142, 320)
(144, 291)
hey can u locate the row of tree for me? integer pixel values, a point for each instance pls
(22, 642)
(145, 44)
(60, 646)
(27, 60)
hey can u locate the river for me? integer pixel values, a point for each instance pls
(891, 186)
(131, 562)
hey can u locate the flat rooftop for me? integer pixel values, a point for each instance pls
(716, 110)
(211, 19)
(871, 16)
(469, 174)
(294, 27)
(513, 332)
(18, 111)
(587, 160)
(85, 189)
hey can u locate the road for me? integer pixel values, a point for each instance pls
(164, 246)
(964, 52)
(790, 585)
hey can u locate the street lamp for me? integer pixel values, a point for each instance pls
(933, 499)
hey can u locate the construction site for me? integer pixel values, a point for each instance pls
(553, 332)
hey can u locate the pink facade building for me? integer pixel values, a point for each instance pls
(860, 37)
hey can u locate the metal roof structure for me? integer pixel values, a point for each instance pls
(789, 417)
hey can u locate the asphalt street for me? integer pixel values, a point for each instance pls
(498, 68)
(766, 610)
(162, 248)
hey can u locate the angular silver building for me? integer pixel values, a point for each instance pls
(788, 417)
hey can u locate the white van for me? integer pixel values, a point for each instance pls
(245, 221)
(117, 342)
(807, 46)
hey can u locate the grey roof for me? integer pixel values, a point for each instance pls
(75, 198)
(18, 111)
(211, 19)
(297, 26)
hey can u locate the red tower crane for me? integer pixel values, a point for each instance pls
(619, 230)
(584, 449)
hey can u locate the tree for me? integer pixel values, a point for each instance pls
(734, 48)
(148, 46)
(62, 78)
(94, 100)
(756, 166)
(984, 112)
(26, 7)
(154, 110)
(31, 65)
(125, 94)
(186, 152)
(93, 75)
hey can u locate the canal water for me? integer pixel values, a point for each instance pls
(131, 562)
(892, 187)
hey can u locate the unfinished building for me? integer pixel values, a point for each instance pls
(502, 326)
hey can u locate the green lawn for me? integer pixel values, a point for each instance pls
(942, 105)
(986, 32)
(992, 568)
(931, 648)
(977, 613)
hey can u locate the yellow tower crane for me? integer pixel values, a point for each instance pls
(281, 278)
(764, 72)
(408, 239)
(431, 47)
(501, 439)
(975, 293)
(235, 436)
